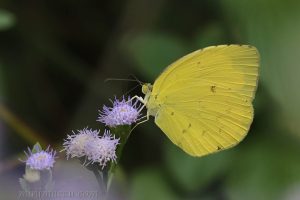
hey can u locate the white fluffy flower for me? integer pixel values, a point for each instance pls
(74, 145)
(102, 150)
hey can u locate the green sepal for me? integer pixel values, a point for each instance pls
(36, 148)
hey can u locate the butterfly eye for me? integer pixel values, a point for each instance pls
(146, 88)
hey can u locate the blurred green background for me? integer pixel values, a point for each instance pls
(55, 56)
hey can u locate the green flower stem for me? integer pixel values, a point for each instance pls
(99, 174)
(122, 132)
(100, 180)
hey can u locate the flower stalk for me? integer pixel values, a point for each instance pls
(123, 132)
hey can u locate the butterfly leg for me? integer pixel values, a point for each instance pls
(138, 98)
(147, 118)
(141, 108)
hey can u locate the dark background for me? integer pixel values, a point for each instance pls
(55, 56)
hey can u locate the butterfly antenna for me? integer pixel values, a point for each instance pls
(120, 79)
(133, 79)
(137, 80)
(133, 88)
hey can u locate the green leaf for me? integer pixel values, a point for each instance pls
(149, 184)
(7, 20)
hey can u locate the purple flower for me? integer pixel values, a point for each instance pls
(41, 159)
(122, 113)
(75, 143)
(102, 150)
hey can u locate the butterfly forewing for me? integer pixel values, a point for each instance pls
(206, 98)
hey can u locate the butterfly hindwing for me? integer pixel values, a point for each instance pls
(206, 98)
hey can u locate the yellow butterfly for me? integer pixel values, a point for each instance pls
(203, 101)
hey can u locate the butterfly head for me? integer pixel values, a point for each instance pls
(147, 88)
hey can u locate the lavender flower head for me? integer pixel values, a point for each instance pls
(74, 145)
(41, 159)
(102, 150)
(122, 113)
